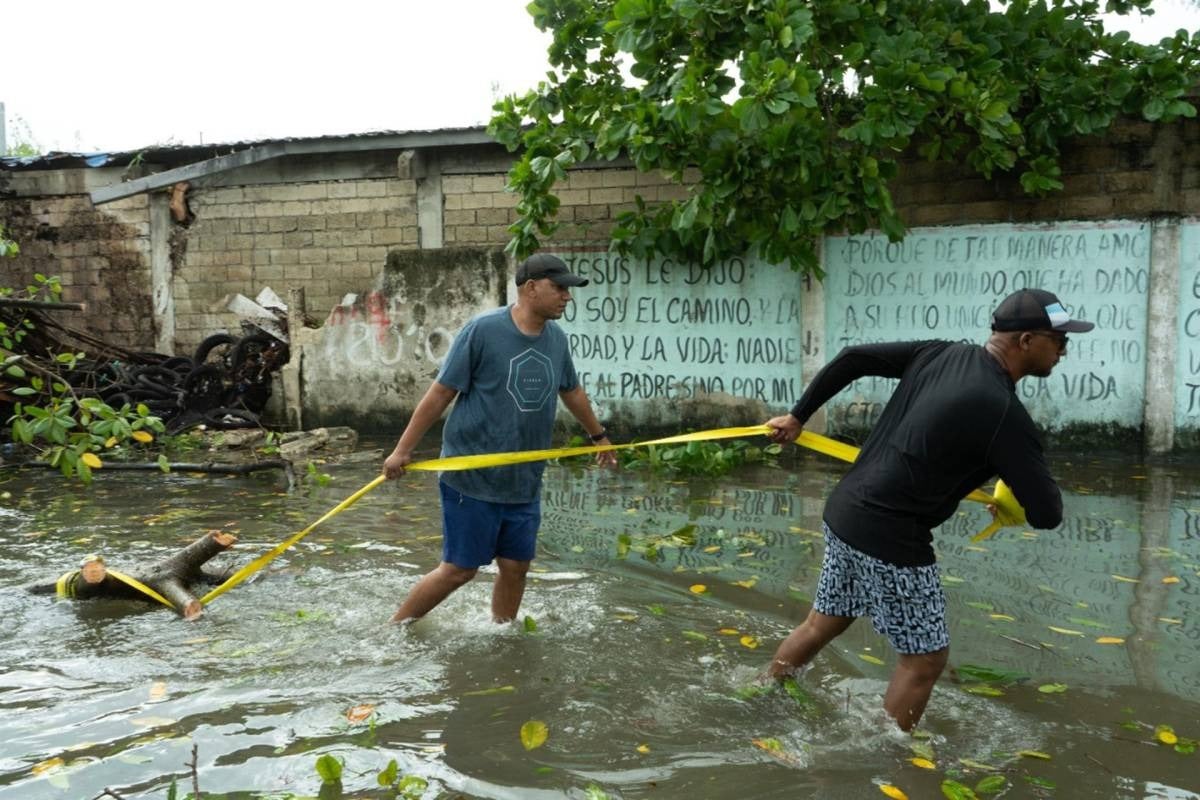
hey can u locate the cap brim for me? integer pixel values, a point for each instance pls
(1075, 326)
(569, 280)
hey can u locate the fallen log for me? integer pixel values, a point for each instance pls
(208, 467)
(171, 578)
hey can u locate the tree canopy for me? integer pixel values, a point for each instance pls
(796, 113)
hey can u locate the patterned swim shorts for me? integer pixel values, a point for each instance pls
(905, 604)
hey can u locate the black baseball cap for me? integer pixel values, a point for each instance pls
(1035, 310)
(544, 265)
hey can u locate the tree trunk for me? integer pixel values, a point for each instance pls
(172, 577)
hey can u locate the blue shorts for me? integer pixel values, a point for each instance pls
(476, 531)
(905, 604)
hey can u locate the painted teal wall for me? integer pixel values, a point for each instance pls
(1187, 359)
(648, 336)
(942, 283)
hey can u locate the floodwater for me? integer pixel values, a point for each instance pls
(653, 606)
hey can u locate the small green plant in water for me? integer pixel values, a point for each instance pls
(691, 458)
(321, 479)
(407, 787)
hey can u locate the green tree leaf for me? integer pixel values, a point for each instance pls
(329, 768)
(534, 734)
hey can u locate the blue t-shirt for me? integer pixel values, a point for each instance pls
(508, 385)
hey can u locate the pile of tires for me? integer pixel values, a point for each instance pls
(225, 384)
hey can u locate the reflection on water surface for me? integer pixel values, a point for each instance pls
(655, 602)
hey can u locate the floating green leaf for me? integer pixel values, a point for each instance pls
(953, 790)
(534, 734)
(493, 690)
(329, 768)
(1052, 688)
(991, 784)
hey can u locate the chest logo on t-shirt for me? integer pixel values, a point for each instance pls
(530, 380)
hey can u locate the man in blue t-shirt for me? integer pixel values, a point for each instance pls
(505, 367)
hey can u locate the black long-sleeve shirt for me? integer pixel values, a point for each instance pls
(953, 422)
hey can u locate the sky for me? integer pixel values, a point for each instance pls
(127, 74)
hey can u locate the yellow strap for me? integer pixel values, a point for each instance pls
(141, 587)
(269, 556)
(458, 463)
(65, 585)
(812, 441)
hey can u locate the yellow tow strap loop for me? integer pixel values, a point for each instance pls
(141, 587)
(813, 441)
(65, 585)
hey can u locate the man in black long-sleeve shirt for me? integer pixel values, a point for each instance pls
(953, 422)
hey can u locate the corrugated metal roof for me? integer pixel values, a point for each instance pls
(186, 154)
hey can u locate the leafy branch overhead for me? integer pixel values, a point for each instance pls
(795, 113)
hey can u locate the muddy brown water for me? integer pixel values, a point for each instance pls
(655, 603)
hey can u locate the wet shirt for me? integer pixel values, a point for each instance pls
(508, 385)
(953, 423)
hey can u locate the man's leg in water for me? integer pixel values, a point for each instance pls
(432, 589)
(508, 589)
(803, 644)
(911, 685)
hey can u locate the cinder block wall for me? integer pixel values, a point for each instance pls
(478, 211)
(100, 256)
(327, 237)
(297, 229)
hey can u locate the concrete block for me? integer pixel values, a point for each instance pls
(386, 236)
(354, 238)
(492, 216)
(325, 239)
(603, 196)
(396, 219)
(1087, 206)
(619, 177)
(401, 188)
(313, 255)
(343, 189)
(477, 201)
(269, 273)
(297, 208)
(505, 199)
(456, 184)
(1127, 182)
(283, 224)
(373, 254)
(298, 239)
(452, 202)
(382, 204)
(488, 183)
(465, 217)
(585, 179)
(343, 221)
(357, 271)
(573, 197)
(297, 272)
(285, 256)
(372, 188)
(343, 255)
(370, 221)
